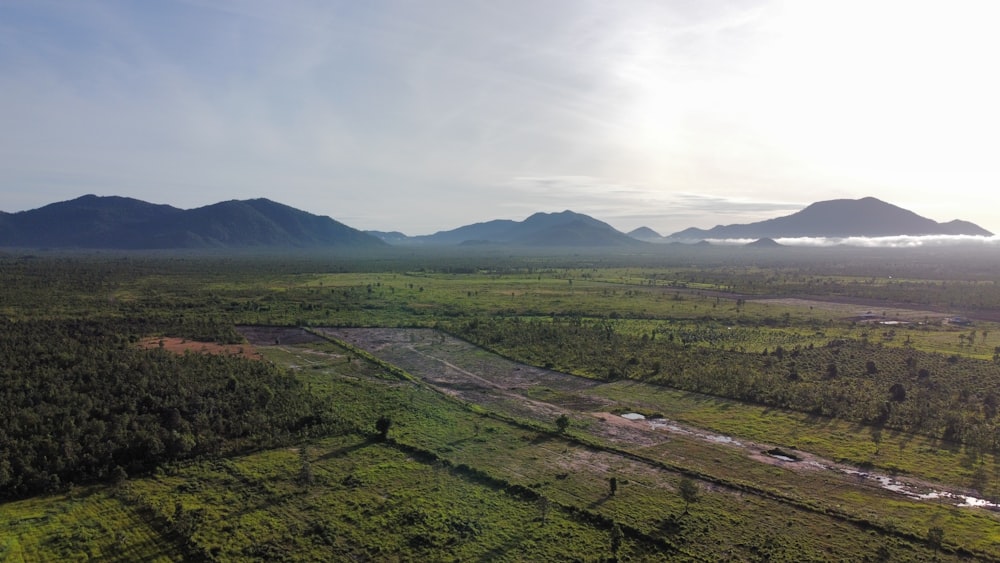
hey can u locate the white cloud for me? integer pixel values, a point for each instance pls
(424, 116)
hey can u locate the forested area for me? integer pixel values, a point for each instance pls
(948, 397)
(80, 401)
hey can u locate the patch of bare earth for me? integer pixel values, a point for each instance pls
(181, 346)
(876, 312)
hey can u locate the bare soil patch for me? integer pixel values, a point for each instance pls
(181, 346)
(470, 373)
(848, 309)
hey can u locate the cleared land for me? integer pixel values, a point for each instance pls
(727, 463)
(182, 345)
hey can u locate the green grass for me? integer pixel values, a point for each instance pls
(834, 439)
(367, 501)
(86, 524)
(462, 481)
(456, 484)
(533, 459)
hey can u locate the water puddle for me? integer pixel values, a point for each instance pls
(886, 482)
(721, 439)
(920, 493)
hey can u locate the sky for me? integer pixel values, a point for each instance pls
(420, 116)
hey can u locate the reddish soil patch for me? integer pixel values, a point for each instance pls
(180, 346)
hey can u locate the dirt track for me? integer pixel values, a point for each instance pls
(462, 370)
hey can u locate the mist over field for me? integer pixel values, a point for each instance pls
(900, 241)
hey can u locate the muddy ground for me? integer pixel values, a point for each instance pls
(462, 370)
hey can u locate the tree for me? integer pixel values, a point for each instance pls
(689, 491)
(877, 439)
(897, 393)
(382, 426)
(562, 423)
(935, 537)
(306, 476)
(613, 485)
(831, 371)
(543, 508)
(118, 475)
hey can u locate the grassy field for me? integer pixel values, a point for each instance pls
(536, 458)
(455, 482)
(473, 465)
(86, 524)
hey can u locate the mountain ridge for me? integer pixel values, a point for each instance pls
(114, 222)
(865, 217)
(564, 228)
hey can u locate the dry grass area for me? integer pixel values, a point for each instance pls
(181, 345)
(848, 309)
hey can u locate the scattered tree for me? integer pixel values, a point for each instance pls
(831, 371)
(877, 439)
(306, 476)
(562, 423)
(382, 426)
(613, 485)
(118, 475)
(897, 393)
(543, 508)
(935, 537)
(689, 491)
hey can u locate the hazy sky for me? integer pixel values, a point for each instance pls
(427, 115)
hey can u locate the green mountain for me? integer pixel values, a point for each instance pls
(124, 223)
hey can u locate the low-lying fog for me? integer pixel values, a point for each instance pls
(900, 241)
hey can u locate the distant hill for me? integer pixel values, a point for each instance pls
(646, 234)
(866, 217)
(496, 230)
(541, 229)
(764, 243)
(124, 223)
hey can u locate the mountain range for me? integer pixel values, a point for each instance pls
(865, 217)
(130, 224)
(92, 222)
(541, 229)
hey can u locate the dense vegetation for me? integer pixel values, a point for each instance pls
(80, 401)
(185, 438)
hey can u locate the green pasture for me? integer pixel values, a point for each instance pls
(439, 490)
(485, 481)
(886, 450)
(572, 473)
(86, 524)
